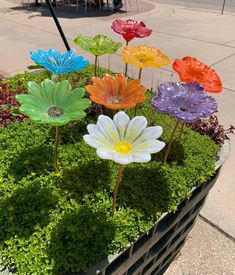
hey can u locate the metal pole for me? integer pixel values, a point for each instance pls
(58, 24)
(222, 11)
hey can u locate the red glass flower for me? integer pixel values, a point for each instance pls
(130, 29)
(190, 69)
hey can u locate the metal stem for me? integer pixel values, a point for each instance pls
(58, 24)
(222, 11)
(96, 59)
(170, 142)
(140, 73)
(119, 178)
(126, 65)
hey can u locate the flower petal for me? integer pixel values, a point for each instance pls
(94, 131)
(150, 133)
(122, 159)
(150, 146)
(135, 128)
(95, 142)
(108, 128)
(141, 157)
(121, 121)
(105, 153)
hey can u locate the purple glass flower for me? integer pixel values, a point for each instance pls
(186, 102)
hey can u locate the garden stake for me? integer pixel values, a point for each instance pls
(171, 140)
(57, 141)
(140, 72)
(96, 58)
(49, 4)
(126, 65)
(136, 106)
(119, 178)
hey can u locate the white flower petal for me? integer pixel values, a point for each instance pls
(121, 121)
(92, 141)
(141, 157)
(135, 128)
(153, 132)
(150, 146)
(105, 153)
(95, 132)
(122, 159)
(108, 129)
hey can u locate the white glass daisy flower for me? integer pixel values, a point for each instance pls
(123, 140)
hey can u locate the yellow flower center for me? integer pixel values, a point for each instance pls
(122, 147)
(144, 57)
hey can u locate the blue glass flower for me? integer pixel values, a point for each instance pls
(58, 63)
(187, 102)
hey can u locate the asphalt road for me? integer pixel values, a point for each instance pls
(202, 4)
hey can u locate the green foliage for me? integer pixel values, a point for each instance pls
(53, 223)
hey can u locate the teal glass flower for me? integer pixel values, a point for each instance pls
(58, 63)
(97, 45)
(53, 103)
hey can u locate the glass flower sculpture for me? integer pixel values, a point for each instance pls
(130, 29)
(191, 69)
(98, 45)
(187, 102)
(144, 56)
(116, 92)
(124, 141)
(58, 63)
(53, 103)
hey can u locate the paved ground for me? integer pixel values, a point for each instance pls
(202, 261)
(177, 32)
(212, 5)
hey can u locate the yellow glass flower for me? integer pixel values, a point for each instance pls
(143, 56)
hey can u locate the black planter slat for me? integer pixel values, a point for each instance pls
(164, 231)
(159, 257)
(170, 254)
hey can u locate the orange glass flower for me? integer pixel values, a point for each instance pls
(143, 56)
(116, 92)
(190, 69)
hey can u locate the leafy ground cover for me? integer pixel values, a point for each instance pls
(54, 223)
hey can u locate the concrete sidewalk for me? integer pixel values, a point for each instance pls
(178, 32)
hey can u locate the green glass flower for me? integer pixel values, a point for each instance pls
(97, 45)
(53, 103)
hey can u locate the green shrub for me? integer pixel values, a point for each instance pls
(52, 223)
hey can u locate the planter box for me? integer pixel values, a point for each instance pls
(154, 251)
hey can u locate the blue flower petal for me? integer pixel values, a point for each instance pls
(59, 63)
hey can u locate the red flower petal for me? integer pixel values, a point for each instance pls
(130, 29)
